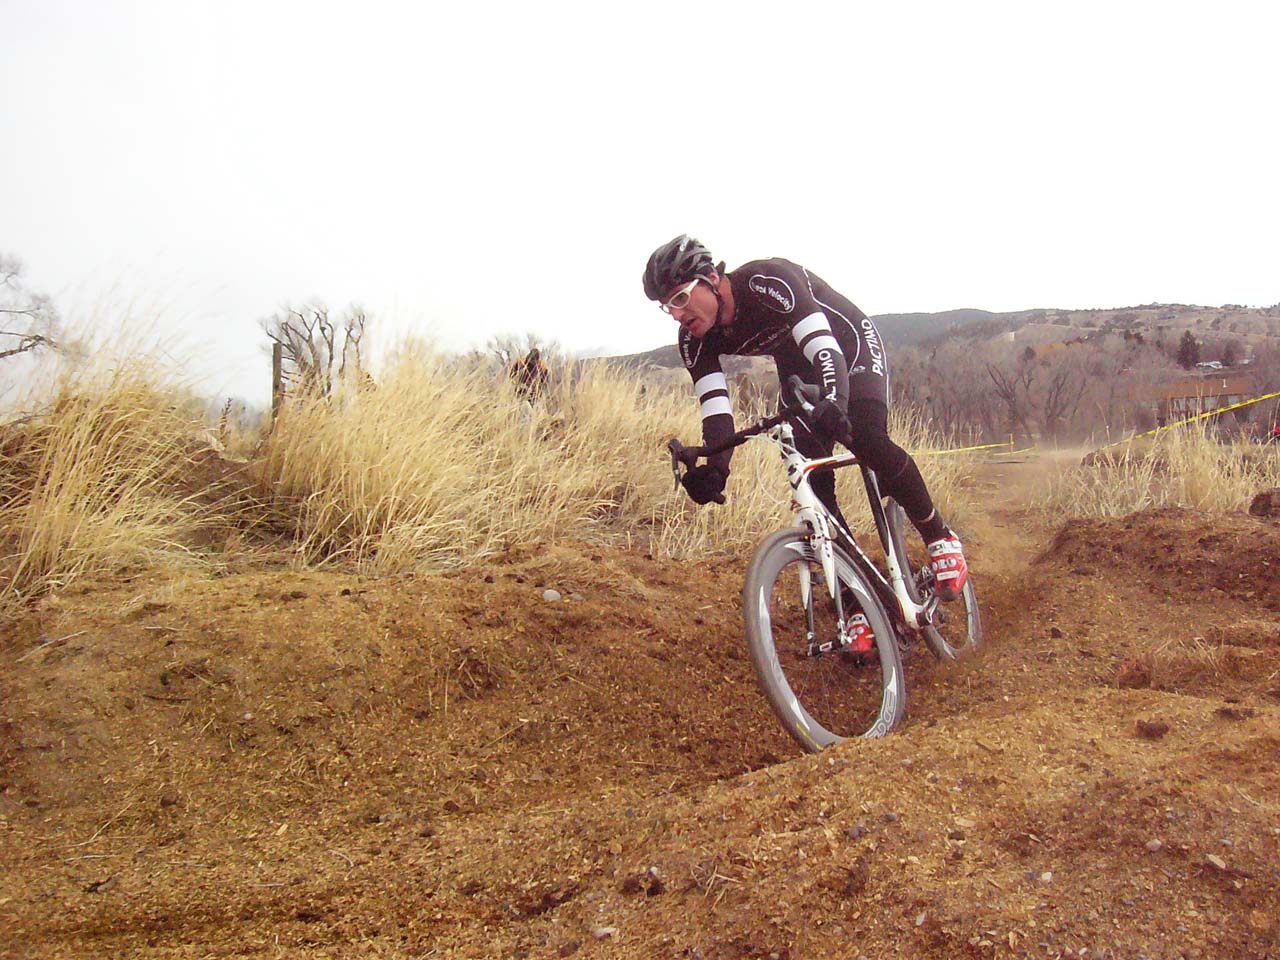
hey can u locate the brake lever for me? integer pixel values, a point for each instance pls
(803, 392)
(676, 448)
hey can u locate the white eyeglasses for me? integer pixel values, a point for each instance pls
(681, 297)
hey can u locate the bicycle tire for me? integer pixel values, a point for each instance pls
(957, 628)
(826, 698)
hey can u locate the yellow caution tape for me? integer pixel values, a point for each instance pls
(1198, 416)
(982, 446)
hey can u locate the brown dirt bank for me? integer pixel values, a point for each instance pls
(288, 764)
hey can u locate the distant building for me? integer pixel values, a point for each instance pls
(1201, 392)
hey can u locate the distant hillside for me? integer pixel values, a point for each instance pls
(899, 329)
(1159, 322)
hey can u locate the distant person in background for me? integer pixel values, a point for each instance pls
(779, 309)
(530, 375)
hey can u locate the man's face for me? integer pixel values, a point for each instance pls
(698, 315)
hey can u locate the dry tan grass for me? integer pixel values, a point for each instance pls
(89, 484)
(1182, 468)
(440, 465)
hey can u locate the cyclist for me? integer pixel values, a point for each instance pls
(530, 375)
(779, 309)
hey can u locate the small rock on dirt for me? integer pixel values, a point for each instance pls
(1134, 675)
(649, 883)
(603, 933)
(1266, 503)
(856, 878)
(1235, 713)
(1216, 861)
(1152, 729)
(551, 596)
(1154, 845)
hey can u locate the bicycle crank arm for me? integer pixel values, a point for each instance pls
(929, 611)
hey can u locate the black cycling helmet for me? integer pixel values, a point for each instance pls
(675, 262)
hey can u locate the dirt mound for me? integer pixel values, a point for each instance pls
(469, 665)
(1177, 552)
(319, 765)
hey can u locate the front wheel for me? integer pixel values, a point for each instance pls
(820, 697)
(956, 630)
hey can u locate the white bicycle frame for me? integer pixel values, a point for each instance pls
(811, 512)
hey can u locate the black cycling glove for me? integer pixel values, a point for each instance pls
(704, 484)
(829, 422)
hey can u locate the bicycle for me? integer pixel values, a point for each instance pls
(802, 640)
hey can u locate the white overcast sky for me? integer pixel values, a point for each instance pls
(471, 169)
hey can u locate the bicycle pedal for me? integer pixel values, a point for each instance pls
(860, 661)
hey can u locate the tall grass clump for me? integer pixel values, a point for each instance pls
(442, 464)
(1186, 467)
(89, 481)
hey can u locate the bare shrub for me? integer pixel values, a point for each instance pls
(28, 320)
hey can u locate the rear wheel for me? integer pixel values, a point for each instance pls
(821, 697)
(956, 630)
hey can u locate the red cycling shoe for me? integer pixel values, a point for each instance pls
(950, 571)
(862, 639)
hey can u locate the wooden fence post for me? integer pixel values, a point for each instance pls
(277, 380)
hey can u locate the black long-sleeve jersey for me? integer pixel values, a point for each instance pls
(785, 312)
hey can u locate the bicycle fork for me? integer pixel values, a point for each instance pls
(843, 638)
(896, 593)
(811, 514)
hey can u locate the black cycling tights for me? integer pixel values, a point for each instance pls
(895, 469)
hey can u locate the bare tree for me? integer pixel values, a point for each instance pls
(1013, 381)
(947, 385)
(959, 398)
(28, 321)
(1123, 378)
(353, 330)
(1063, 391)
(1060, 397)
(318, 351)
